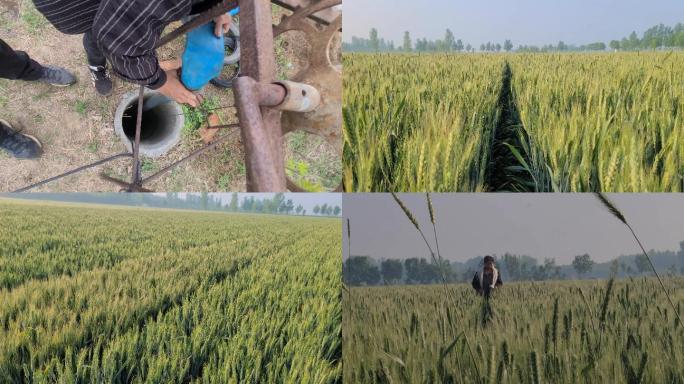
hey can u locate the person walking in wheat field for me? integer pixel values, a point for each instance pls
(488, 279)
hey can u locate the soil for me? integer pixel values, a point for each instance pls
(75, 125)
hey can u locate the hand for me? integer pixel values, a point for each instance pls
(222, 26)
(174, 89)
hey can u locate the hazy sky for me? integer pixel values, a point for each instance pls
(539, 225)
(307, 200)
(535, 22)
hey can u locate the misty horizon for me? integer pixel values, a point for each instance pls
(541, 226)
(307, 200)
(527, 22)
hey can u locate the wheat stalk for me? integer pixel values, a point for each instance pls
(413, 220)
(616, 212)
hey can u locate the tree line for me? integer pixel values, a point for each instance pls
(657, 37)
(278, 205)
(204, 201)
(367, 271)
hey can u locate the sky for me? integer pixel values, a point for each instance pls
(558, 226)
(527, 22)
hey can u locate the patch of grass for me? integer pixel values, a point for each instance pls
(321, 172)
(148, 165)
(296, 141)
(299, 172)
(92, 147)
(195, 117)
(224, 182)
(241, 168)
(279, 45)
(4, 99)
(32, 18)
(81, 107)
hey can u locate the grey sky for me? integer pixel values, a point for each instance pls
(535, 22)
(540, 225)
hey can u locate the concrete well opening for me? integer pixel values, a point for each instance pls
(162, 122)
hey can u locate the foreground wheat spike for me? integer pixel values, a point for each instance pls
(413, 220)
(616, 212)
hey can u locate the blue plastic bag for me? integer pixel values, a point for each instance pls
(202, 58)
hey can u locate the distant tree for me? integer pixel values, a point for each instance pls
(469, 48)
(498, 47)
(508, 45)
(672, 270)
(562, 46)
(583, 264)
(459, 45)
(634, 41)
(615, 45)
(299, 209)
(411, 266)
(407, 42)
(641, 263)
(449, 43)
(360, 270)
(392, 270)
(258, 206)
(324, 209)
(204, 200)
(277, 203)
(483, 47)
(512, 266)
(374, 41)
(233, 206)
(614, 266)
(337, 210)
(317, 209)
(550, 270)
(419, 271)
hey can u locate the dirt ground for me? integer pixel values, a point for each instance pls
(76, 127)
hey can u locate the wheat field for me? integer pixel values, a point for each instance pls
(550, 332)
(570, 122)
(122, 295)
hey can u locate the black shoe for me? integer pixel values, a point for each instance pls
(19, 145)
(102, 80)
(57, 76)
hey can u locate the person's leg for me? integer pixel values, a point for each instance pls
(97, 63)
(17, 65)
(19, 145)
(95, 56)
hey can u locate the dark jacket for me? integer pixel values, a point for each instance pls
(125, 30)
(480, 287)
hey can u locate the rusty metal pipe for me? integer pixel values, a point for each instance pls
(299, 97)
(262, 134)
(136, 144)
(265, 170)
(270, 95)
